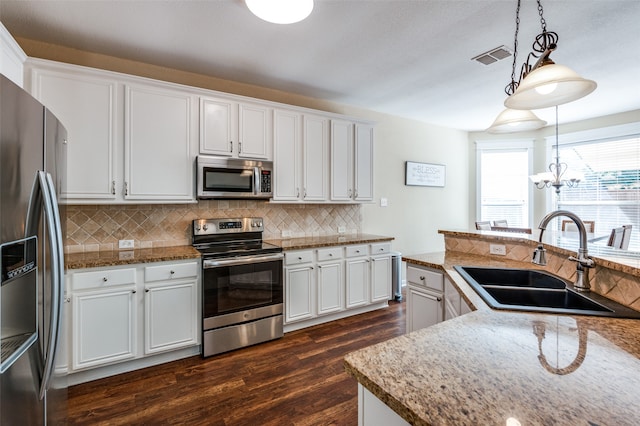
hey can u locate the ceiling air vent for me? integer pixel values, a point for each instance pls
(493, 55)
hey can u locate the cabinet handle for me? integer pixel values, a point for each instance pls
(297, 192)
(239, 147)
(305, 193)
(350, 192)
(230, 146)
(421, 278)
(355, 194)
(105, 279)
(113, 187)
(126, 188)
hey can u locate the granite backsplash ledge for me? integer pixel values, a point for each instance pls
(100, 227)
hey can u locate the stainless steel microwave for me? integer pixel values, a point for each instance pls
(233, 178)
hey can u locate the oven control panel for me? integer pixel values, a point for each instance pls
(227, 226)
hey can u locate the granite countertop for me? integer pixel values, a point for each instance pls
(161, 254)
(487, 366)
(327, 241)
(126, 257)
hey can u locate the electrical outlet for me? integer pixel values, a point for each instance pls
(342, 229)
(125, 244)
(286, 234)
(498, 249)
(126, 255)
(384, 202)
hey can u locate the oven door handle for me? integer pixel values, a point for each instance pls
(211, 263)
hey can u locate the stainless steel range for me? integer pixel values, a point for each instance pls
(242, 284)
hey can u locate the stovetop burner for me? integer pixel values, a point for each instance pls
(216, 238)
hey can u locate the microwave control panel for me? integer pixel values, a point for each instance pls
(265, 181)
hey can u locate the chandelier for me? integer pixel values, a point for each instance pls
(557, 176)
(540, 85)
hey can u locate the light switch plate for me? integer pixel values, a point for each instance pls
(384, 202)
(342, 229)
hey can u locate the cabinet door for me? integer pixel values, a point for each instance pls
(330, 288)
(286, 156)
(171, 316)
(341, 160)
(104, 327)
(423, 309)
(299, 294)
(254, 131)
(218, 127)
(357, 282)
(363, 185)
(158, 144)
(380, 278)
(315, 158)
(87, 106)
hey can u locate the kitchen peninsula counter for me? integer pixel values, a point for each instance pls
(489, 366)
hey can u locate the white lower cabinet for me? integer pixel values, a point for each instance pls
(126, 313)
(425, 297)
(333, 282)
(373, 412)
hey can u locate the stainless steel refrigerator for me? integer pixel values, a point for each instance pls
(32, 172)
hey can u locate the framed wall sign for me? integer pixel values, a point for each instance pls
(424, 174)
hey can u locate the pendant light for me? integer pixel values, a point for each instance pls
(515, 120)
(545, 83)
(280, 11)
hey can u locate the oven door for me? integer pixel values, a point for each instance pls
(234, 288)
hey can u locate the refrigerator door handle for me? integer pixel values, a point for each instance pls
(44, 195)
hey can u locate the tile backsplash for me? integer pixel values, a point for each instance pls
(100, 227)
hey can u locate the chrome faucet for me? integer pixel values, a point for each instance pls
(584, 262)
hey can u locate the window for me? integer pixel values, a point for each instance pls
(504, 189)
(609, 193)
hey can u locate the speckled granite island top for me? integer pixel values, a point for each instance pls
(126, 257)
(487, 366)
(327, 241)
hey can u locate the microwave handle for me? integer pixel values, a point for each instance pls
(256, 181)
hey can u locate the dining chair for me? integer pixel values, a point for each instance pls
(503, 223)
(483, 226)
(615, 239)
(570, 226)
(511, 229)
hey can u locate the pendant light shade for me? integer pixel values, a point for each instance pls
(547, 86)
(514, 120)
(280, 11)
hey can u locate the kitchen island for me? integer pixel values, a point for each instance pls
(499, 367)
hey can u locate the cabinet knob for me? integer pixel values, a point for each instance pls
(133, 291)
(146, 290)
(299, 258)
(172, 272)
(105, 279)
(439, 299)
(330, 254)
(422, 278)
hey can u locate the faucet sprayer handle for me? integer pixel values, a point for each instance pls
(539, 256)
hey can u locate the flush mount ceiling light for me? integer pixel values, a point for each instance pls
(280, 11)
(544, 83)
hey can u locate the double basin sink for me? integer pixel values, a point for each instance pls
(538, 291)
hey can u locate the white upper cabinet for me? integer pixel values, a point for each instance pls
(87, 103)
(235, 129)
(12, 57)
(159, 128)
(301, 150)
(351, 161)
(129, 139)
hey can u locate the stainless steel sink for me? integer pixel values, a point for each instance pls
(538, 291)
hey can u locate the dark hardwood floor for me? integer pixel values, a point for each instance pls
(296, 380)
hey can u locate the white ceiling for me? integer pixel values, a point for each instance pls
(406, 58)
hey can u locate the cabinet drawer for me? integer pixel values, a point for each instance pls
(298, 257)
(355, 251)
(425, 278)
(103, 279)
(332, 253)
(380, 248)
(168, 272)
